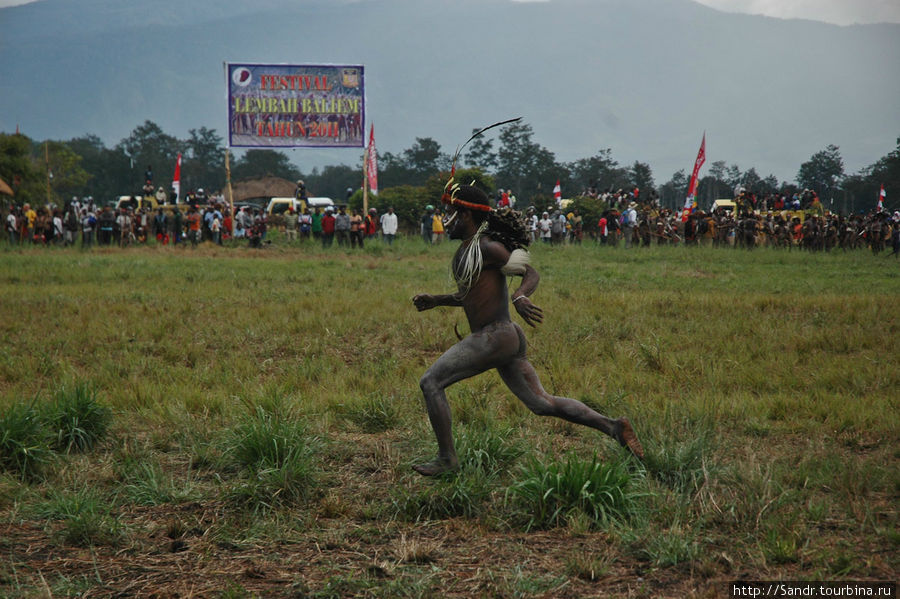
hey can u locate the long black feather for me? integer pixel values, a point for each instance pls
(480, 131)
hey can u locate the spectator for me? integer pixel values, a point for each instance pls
(425, 224)
(630, 222)
(290, 225)
(371, 224)
(193, 223)
(342, 226)
(30, 218)
(357, 229)
(12, 229)
(305, 223)
(437, 227)
(328, 225)
(88, 222)
(545, 225)
(316, 225)
(161, 227)
(389, 225)
(216, 228)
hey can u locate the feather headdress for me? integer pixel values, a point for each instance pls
(450, 189)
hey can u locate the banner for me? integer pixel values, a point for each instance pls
(372, 162)
(176, 181)
(557, 193)
(295, 106)
(692, 188)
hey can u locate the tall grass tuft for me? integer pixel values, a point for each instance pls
(463, 493)
(24, 442)
(76, 419)
(485, 453)
(86, 518)
(549, 494)
(375, 413)
(278, 454)
(683, 463)
(489, 450)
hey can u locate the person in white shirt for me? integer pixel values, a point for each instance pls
(545, 225)
(12, 228)
(389, 225)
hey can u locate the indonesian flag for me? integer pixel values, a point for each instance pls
(372, 162)
(557, 193)
(176, 180)
(881, 196)
(691, 198)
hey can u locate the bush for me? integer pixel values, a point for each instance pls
(279, 456)
(552, 493)
(24, 442)
(76, 419)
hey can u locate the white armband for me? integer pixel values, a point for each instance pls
(517, 262)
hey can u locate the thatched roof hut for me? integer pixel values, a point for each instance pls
(259, 190)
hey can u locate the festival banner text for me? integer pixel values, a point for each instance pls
(295, 106)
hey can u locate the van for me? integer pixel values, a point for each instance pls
(726, 205)
(138, 203)
(278, 206)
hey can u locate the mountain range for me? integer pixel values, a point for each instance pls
(644, 78)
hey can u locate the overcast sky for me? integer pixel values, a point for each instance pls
(839, 12)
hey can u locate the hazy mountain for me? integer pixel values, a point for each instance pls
(643, 77)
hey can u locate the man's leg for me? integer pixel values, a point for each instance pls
(473, 355)
(521, 378)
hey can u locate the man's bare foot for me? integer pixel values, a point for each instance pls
(627, 438)
(436, 466)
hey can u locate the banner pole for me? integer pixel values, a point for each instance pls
(366, 182)
(228, 190)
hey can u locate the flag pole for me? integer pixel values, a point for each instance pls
(228, 190)
(366, 182)
(49, 175)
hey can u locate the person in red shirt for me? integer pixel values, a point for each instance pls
(328, 227)
(371, 223)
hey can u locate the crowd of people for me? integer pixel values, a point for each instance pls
(778, 221)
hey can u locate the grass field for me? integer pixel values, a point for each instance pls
(223, 422)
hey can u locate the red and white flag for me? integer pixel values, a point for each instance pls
(557, 193)
(176, 180)
(881, 196)
(692, 188)
(372, 162)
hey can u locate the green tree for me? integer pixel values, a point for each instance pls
(480, 153)
(525, 166)
(203, 164)
(599, 171)
(67, 175)
(110, 172)
(407, 201)
(393, 171)
(149, 146)
(886, 171)
(20, 171)
(641, 177)
(823, 172)
(262, 163)
(334, 181)
(673, 193)
(425, 158)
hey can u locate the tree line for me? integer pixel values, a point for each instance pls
(53, 171)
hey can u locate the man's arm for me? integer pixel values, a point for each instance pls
(516, 264)
(426, 301)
